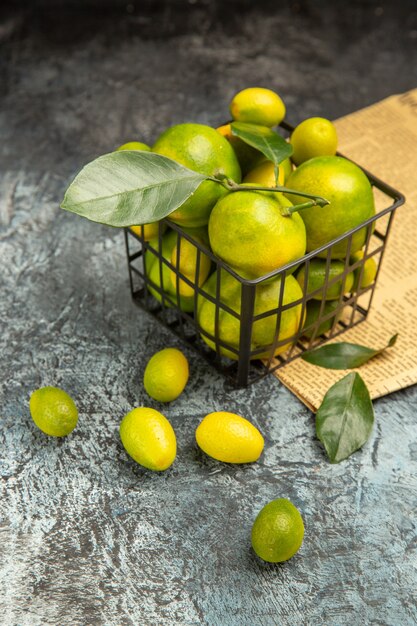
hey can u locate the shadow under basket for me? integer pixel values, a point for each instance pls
(236, 334)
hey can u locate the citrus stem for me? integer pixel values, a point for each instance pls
(230, 185)
(287, 211)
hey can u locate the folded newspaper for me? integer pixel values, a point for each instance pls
(383, 139)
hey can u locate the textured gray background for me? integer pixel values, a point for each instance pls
(87, 536)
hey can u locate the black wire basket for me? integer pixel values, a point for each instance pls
(243, 340)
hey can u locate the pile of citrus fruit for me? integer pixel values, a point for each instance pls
(256, 232)
(150, 440)
(255, 229)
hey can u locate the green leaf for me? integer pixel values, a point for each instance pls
(343, 355)
(130, 187)
(264, 139)
(345, 418)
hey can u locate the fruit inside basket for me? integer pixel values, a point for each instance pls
(252, 244)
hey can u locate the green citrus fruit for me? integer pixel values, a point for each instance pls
(166, 375)
(134, 145)
(257, 105)
(53, 411)
(278, 531)
(201, 149)
(229, 438)
(264, 173)
(351, 202)
(263, 330)
(149, 438)
(148, 231)
(248, 231)
(168, 243)
(155, 268)
(368, 273)
(317, 276)
(312, 315)
(184, 258)
(186, 304)
(314, 137)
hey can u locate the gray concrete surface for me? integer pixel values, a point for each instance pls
(86, 536)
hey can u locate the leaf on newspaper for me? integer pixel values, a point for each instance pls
(345, 418)
(343, 355)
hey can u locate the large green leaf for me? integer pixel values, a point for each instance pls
(130, 187)
(264, 139)
(344, 355)
(345, 418)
